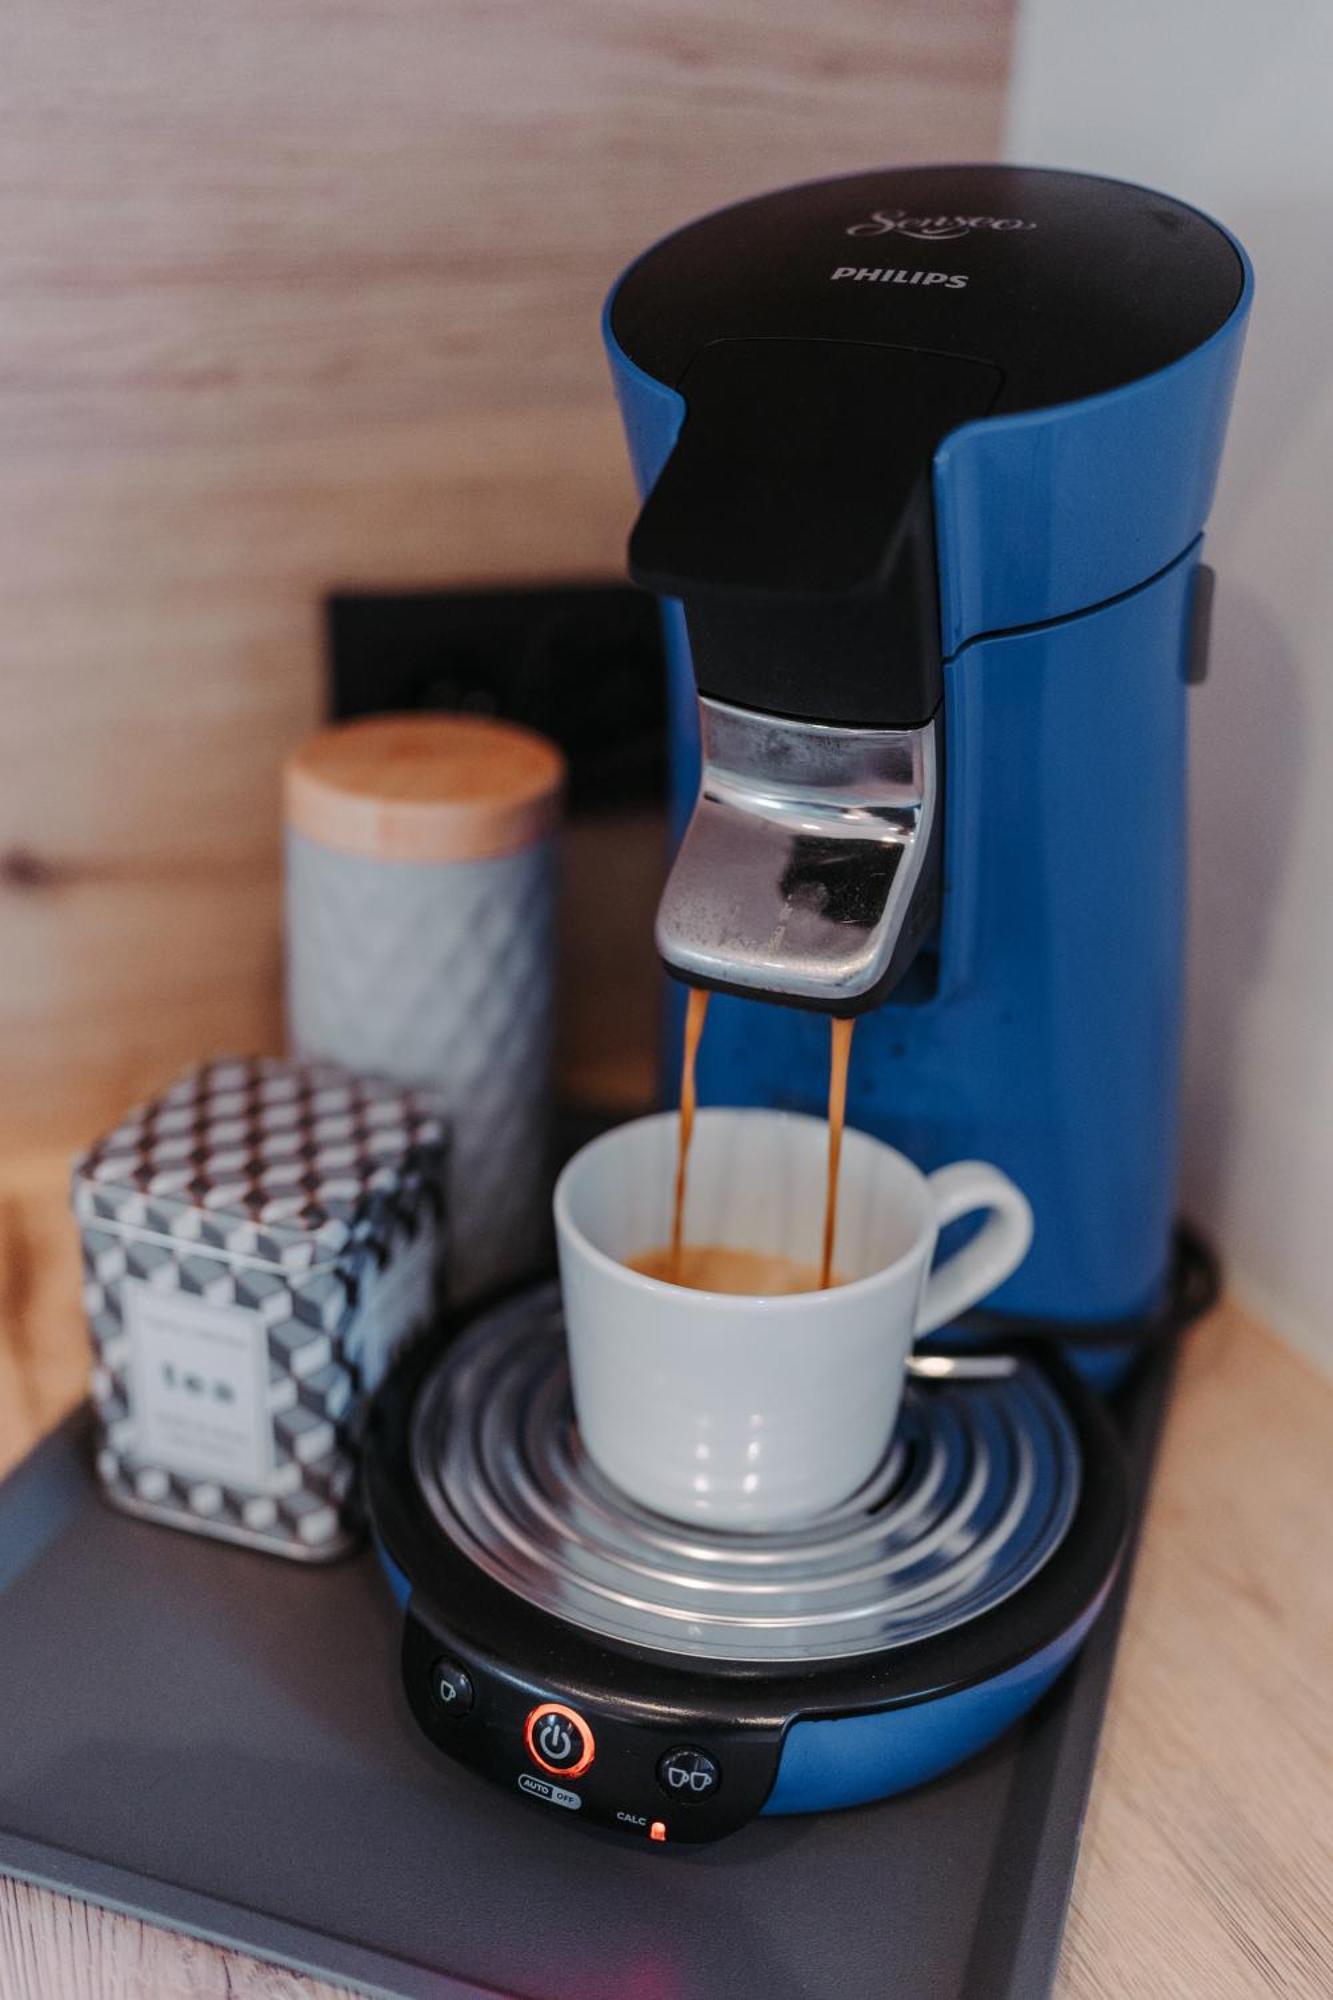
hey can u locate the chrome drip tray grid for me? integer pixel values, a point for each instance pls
(976, 1490)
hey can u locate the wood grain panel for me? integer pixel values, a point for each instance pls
(1208, 1853)
(44, 1347)
(52, 1948)
(296, 295)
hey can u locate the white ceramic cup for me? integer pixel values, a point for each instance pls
(751, 1412)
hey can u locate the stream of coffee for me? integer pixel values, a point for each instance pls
(713, 1267)
(840, 1054)
(696, 1011)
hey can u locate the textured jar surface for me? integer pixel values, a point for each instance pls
(441, 973)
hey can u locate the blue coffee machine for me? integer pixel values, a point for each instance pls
(926, 455)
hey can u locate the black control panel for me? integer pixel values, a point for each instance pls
(639, 1769)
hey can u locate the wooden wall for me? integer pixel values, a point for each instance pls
(295, 295)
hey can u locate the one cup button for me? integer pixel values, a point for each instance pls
(688, 1773)
(451, 1688)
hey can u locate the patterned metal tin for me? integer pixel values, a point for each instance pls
(258, 1244)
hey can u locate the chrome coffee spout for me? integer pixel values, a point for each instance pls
(807, 871)
(793, 521)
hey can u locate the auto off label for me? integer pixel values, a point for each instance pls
(555, 1795)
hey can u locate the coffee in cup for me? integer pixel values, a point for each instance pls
(715, 1267)
(752, 1410)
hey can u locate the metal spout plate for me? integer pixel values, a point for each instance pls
(798, 871)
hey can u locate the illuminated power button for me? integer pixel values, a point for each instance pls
(559, 1740)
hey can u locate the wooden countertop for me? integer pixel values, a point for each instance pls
(1207, 1861)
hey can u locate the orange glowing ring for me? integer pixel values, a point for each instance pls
(581, 1731)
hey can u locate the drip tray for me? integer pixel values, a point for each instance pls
(974, 1494)
(216, 1741)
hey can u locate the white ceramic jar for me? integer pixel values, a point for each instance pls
(421, 884)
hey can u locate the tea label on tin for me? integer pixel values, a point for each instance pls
(200, 1374)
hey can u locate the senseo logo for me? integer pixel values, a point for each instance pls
(931, 228)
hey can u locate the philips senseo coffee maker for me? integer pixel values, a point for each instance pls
(926, 456)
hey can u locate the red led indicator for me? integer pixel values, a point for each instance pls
(657, 1831)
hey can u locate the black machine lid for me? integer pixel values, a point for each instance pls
(1070, 284)
(826, 339)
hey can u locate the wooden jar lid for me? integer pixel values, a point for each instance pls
(424, 787)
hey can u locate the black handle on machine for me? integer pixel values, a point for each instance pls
(794, 519)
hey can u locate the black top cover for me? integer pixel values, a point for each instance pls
(1068, 283)
(826, 340)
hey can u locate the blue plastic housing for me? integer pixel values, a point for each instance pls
(852, 1759)
(1067, 542)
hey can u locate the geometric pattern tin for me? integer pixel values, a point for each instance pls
(259, 1242)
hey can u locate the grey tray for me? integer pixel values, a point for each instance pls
(215, 1741)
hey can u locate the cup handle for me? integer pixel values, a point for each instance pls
(997, 1249)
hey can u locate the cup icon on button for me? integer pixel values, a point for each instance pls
(451, 1688)
(688, 1773)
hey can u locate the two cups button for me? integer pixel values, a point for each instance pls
(688, 1773)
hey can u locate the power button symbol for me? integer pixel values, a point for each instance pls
(555, 1740)
(559, 1739)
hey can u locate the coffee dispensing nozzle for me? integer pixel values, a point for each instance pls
(793, 519)
(809, 869)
